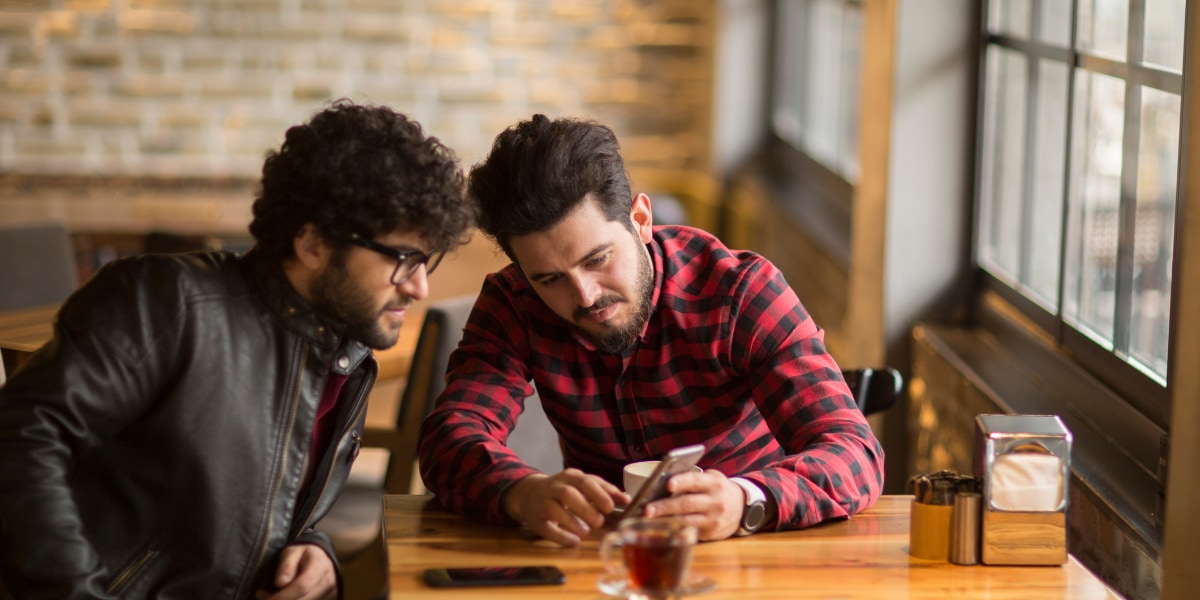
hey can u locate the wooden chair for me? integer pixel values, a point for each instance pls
(875, 390)
(355, 521)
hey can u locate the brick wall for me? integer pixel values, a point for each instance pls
(199, 89)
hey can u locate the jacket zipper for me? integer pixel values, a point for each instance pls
(126, 575)
(262, 551)
(362, 406)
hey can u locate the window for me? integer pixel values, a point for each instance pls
(815, 101)
(1079, 155)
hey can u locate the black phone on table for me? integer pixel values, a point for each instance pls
(490, 576)
(676, 461)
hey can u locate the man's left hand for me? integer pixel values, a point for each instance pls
(305, 573)
(708, 500)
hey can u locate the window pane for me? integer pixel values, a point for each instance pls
(1092, 239)
(1004, 162)
(1103, 27)
(821, 101)
(1049, 151)
(1153, 238)
(785, 114)
(1010, 17)
(1056, 22)
(1164, 33)
(852, 68)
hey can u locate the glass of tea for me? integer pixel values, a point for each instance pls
(654, 555)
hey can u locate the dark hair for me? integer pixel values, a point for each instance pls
(365, 170)
(541, 169)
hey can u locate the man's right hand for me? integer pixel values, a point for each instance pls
(563, 507)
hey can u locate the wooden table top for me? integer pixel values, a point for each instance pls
(865, 557)
(26, 329)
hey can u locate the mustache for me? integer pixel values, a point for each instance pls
(402, 305)
(601, 304)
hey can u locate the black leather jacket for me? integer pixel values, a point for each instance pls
(155, 447)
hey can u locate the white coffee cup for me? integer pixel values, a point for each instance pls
(635, 474)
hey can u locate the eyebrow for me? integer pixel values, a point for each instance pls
(586, 257)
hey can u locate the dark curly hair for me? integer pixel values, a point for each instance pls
(365, 170)
(541, 169)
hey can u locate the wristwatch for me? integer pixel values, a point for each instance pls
(755, 513)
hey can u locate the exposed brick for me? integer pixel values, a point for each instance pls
(204, 87)
(578, 11)
(24, 81)
(77, 83)
(378, 27)
(17, 23)
(235, 87)
(19, 53)
(464, 8)
(57, 23)
(175, 5)
(29, 5)
(99, 56)
(176, 22)
(153, 85)
(102, 114)
(12, 111)
(88, 6)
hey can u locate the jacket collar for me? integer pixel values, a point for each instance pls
(267, 279)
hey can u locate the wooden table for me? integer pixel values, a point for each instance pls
(24, 330)
(865, 557)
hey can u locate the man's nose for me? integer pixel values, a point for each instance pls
(588, 291)
(417, 286)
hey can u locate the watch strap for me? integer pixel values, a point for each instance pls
(756, 499)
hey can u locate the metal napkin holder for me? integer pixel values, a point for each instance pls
(1019, 537)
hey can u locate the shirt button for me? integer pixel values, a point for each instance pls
(343, 361)
(320, 329)
(291, 310)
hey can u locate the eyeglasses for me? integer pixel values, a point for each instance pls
(407, 261)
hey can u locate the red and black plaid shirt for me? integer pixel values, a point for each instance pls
(729, 358)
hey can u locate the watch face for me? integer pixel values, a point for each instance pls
(754, 516)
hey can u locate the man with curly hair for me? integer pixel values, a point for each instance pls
(195, 414)
(638, 338)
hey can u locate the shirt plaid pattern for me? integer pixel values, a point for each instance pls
(729, 358)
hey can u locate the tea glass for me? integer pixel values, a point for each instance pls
(654, 556)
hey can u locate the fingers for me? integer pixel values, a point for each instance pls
(707, 500)
(565, 507)
(305, 572)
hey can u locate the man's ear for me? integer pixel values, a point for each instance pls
(310, 248)
(643, 217)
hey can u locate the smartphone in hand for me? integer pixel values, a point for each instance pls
(675, 462)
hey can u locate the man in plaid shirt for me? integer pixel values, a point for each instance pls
(638, 339)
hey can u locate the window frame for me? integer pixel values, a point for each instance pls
(1135, 387)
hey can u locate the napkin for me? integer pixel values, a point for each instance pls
(1027, 481)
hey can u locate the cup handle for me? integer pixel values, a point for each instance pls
(611, 553)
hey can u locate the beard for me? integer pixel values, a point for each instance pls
(616, 339)
(336, 294)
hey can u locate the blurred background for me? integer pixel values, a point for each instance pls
(985, 195)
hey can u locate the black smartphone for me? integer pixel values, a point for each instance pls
(675, 462)
(489, 576)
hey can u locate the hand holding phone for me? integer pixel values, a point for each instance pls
(675, 462)
(491, 576)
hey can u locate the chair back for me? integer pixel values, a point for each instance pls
(440, 334)
(875, 390)
(37, 266)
